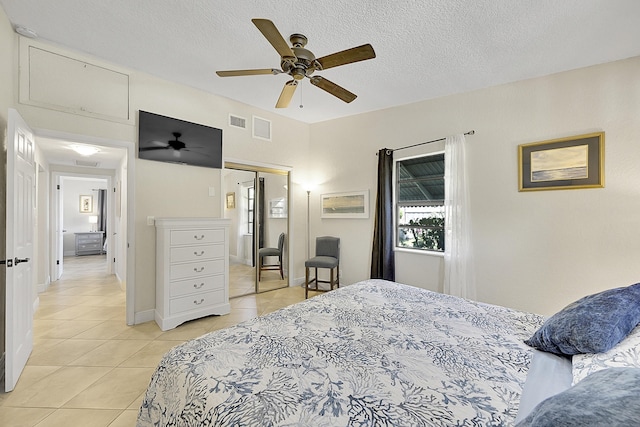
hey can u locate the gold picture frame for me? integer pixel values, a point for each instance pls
(564, 163)
(86, 204)
(231, 200)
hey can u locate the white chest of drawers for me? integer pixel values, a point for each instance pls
(192, 269)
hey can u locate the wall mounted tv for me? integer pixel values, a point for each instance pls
(166, 139)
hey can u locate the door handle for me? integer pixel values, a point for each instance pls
(17, 260)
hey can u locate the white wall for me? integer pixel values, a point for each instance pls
(535, 251)
(42, 249)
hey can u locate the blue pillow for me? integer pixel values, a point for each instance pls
(593, 324)
(605, 398)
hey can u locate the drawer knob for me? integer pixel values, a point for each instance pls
(198, 270)
(198, 254)
(198, 303)
(195, 285)
(198, 238)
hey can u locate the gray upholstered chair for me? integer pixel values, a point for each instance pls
(272, 252)
(327, 256)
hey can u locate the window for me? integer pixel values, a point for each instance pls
(250, 212)
(420, 203)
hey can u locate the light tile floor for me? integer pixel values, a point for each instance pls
(242, 279)
(88, 368)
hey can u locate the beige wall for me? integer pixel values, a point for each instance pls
(535, 251)
(167, 190)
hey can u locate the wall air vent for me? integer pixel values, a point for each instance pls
(237, 121)
(261, 128)
(87, 163)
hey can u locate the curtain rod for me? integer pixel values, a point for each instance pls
(471, 132)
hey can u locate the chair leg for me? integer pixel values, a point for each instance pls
(259, 268)
(306, 282)
(338, 278)
(281, 273)
(317, 284)
(331, 278)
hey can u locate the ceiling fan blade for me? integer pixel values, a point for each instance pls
(286, 94)
(153, 148)
(271, 33)
(234, 73)
(333, 88)
(348, 56)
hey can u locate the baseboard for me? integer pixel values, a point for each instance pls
(234, 259)
(69, 253)
(36, 304)
(2, 365)
(41, 287)
(121, 282)
(144, 317)
(297, 282)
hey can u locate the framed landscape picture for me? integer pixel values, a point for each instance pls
(573, 162)
(354, 204)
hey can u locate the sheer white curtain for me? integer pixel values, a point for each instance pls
(458, 260)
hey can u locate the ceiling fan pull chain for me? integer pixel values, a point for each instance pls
(301, 105)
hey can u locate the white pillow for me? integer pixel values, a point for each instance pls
(625, 354)
(549, 374)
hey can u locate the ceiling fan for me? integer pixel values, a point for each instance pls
(175, 144)
(299, 63)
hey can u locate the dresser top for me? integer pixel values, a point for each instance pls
(191, 222)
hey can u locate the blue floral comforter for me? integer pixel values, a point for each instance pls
(375, 353)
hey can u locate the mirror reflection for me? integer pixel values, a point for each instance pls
(256, 202)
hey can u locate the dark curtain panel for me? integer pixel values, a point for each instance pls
(382, 259)
(102, 211)
(261, 213)
(259, 216)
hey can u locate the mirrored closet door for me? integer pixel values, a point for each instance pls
(257, 203)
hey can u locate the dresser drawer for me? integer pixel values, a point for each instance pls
(89, 246)
(195, 253)
(196, 285)
(197, 301)
(189, 237)
(196, 269)
(89, 239)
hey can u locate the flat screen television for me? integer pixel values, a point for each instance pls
(166, 139)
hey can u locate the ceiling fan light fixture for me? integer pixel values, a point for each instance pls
(26, 32)
(85, 150)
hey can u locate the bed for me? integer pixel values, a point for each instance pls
(373, 353)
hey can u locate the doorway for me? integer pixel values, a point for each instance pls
(257, 203)
(115, 171)
(85, 220)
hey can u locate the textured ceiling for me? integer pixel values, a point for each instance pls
(425, 48)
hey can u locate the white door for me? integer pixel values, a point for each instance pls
(21, 185)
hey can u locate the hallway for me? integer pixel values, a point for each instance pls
(88, 368)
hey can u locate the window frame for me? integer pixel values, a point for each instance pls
(397, 206)
(250, 209)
